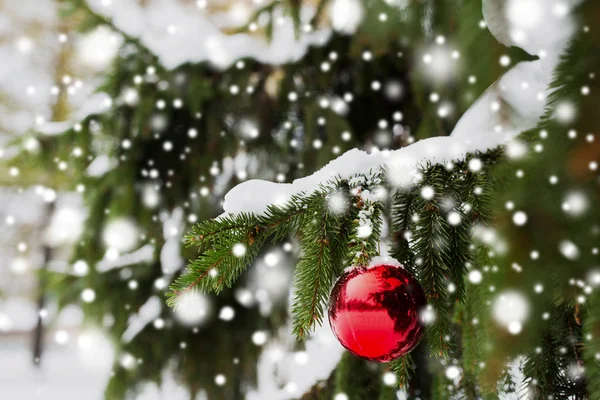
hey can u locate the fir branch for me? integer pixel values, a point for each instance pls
(430, 241)
(355, 378)
(471, 336)
(213, 231)
(459, 254)
(279, 221)
(315, 271)
(217, 238)
(341, 253)
(540, 368)
(219, 265)
(366, 231)
(403, 368)
(478, 193)
(402, 209)
(369, 246)
(591, 348)
(439, 387)
(549, 369)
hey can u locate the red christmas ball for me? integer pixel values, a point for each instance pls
(373, 311)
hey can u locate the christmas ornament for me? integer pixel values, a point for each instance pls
(373, 311)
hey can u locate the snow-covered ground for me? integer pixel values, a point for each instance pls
(79, 366)
(62, 374)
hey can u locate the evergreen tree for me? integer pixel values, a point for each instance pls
(467, 225)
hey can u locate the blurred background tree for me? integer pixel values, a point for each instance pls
(156, 108)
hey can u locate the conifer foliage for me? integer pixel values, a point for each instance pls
(502, 237)
(340, 225)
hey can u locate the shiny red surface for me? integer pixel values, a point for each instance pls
(374, 312)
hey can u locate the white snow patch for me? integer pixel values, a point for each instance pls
(98, 48)
(193, 308)
(171, 259)
(510, 306)
(532, 25)
(180, 33)
(95, 104)
(384, 260)
(17, 314)
(144, 254)
(170, 256)
(322, 354)
(148, 312)
(569, 250)
(346, 15)
(121, 234)
(100, 165)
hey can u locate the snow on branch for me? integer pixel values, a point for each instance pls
(96, 103)
(180, 33)
(512, 105)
